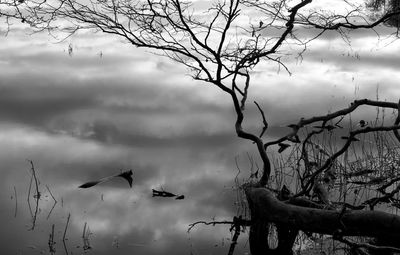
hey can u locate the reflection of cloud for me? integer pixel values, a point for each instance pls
(82, 118)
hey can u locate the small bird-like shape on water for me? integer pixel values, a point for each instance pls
(163, 193)
(362, 123)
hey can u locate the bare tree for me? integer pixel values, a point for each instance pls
(221, 47)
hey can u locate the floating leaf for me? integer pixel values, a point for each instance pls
(89, 184)
(162, 193)
(126, 175)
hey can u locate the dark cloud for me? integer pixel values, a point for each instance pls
(109, 133)
(35, 105)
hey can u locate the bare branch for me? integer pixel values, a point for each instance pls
(265, 127)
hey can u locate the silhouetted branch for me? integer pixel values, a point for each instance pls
(348, 223)
(265, 127)
(397, 122)
(240, 221)
(367, 245)
(236, 226)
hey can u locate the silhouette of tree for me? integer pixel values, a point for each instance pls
(220, 49)
(384, 7)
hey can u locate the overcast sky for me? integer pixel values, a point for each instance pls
(110, 107)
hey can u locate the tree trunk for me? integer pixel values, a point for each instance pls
(258, 238)
(266, 208)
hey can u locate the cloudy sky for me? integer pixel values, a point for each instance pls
(110, 107)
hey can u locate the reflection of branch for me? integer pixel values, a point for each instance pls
(36, 196)
(51, 242)
(236, 225)
(207, 223)
(29, 196)
(55, 202)
(242, 222)
(66, 226)
(85, 237)
(65, 248)
(34, 177)
(65, 232)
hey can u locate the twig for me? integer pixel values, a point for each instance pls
(51, 210)
(84, 231)
(51, 242)
(340, 113)
(65, 248)
(85, 237)
(66, 227)
(367, 245)
(51, 194)
(237, 221)
(242, 222)
(55, 202)
(36, 181)
(65, 232)
(397, 122)
(264, 120)
(36, 196)
(29, 196)
(192, 225)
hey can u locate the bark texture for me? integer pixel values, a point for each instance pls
(332, 222)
